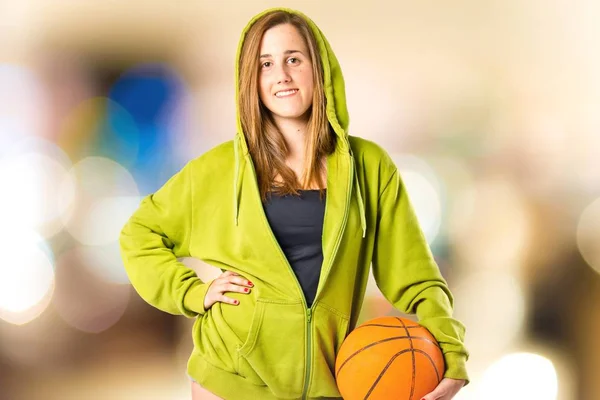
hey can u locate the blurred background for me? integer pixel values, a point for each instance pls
(491, 110)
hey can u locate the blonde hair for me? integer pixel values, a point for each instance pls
(266, 144)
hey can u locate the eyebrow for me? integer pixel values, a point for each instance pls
(285, 52)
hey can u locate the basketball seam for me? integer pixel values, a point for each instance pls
(437, 373)
(390, 326)
(377, 343)
(414, 361)
(411, 349)
(389, 364)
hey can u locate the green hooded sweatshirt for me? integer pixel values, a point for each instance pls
(271, 346)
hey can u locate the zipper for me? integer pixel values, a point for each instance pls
(308, 310)
(308, 352)
(335, 249)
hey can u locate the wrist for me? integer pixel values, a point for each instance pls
(456, 367)
(193, 301)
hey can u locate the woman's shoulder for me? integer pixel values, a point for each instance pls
(217, 158)
(370, 154)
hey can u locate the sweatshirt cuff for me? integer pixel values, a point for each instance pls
(456, 366)
(193, 301)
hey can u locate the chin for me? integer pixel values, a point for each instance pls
(288, 114)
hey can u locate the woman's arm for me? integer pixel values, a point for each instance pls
(408, 276)
(157, 234)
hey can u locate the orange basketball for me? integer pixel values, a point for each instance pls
(388, 358)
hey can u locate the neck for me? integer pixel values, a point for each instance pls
(294, 133)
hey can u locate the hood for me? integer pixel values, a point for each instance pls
(337, 112)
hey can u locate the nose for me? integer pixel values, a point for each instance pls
(282, 74)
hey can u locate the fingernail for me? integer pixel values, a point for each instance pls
(250, 283)
(236, 301)
(246, 289)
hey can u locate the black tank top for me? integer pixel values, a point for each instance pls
(297, 222)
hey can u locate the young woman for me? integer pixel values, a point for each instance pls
(294, 211)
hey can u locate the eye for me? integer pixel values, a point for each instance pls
(266, 64)
(293, 60)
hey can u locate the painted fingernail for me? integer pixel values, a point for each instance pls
(250, 283)
(236, 301)
(246, 289)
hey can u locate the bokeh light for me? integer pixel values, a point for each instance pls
(105, 262)
(148, 96)
(79, 129)
(492, 305)
(587, 148)
(588, 235)
(84, 301)
(456, 177)
(424, 190)
(26, 276)
(30, 177)
(24, 108)
(107, 216)
(102, 195)
(117, 135)
(494, 216)
(520, 376)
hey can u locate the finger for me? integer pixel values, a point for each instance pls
(446, 389)
(224, 287)
(239, 280)
(228, 300)
(227, 273)
(230, 287)
(224, 279)
(435, 395)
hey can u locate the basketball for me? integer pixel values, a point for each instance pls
(388, 358)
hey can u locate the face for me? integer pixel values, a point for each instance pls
(285, 77)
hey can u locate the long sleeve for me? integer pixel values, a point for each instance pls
(153, 239)
(408, 276)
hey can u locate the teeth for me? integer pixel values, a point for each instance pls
(286, 93)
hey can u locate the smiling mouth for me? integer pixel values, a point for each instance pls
(285, 93)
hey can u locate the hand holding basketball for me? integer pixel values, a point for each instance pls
(391, 358)
(446, 390)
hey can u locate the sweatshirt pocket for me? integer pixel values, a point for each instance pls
(215, 340)
(274, 351)
(329, 331)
